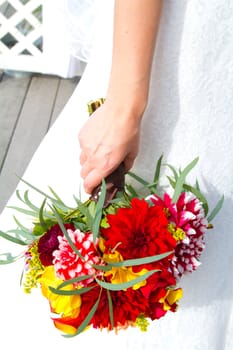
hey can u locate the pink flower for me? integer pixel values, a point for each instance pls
(68, 264)
(188, 225)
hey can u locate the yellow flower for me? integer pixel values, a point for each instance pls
(142, 323)
(65, 328)
(122, 274)
(34, 269)
(170, 298)
(66, 305)
(177, 233)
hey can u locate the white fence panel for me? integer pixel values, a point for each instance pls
(32, 38)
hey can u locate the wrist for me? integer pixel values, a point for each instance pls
(127, 102)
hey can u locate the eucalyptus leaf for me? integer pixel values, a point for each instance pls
(131, 190)
(99, 212)
(171, 181)
(19, 196)
(110, 308)
(199, 195)
(138, 178)
(22, 235)
(85, 212)
(29, 203)
(85, 323)
(22, 227)
(140, 261)
(175, 174)
(181, 179)
(102, 267)
(216, 209)
(157, 171)
(24, 211)
(41, 214)
(125, 285)
(37, 189)
(12, 239)
(56, 196)
(74, 280)
(8, 258)
(70, 292)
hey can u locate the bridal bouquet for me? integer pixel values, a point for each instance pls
(115, 260)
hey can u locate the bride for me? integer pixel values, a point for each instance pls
(167, 76)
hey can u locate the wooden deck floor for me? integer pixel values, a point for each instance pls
(28, 107)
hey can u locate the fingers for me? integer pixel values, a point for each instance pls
(83, 158)
(92, 180)
(128, 163)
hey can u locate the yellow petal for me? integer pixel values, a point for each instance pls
(67, 305)
(170, 298)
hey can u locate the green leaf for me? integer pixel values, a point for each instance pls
(157, 171)
(153, 188)
(99, 212)
(197, 185)
(74, 280)
(140, 261)
(59, 220)
(29, 203)
(21, 236)
(101, 267)
(125, 285)
(12, 239)
(138, 178)
(37, 189)
(131, 190)
(29, 212)
(8, 258)
(70, 292)
(41, 214)
(171, 181)
(175, 174)
(92, 208)
(85, 212)
(199, 195)
(57, 197)
(24, 211)
(24, 231)
(18, 196)
(85, 323)
(181, 179)
(110, 308)
(216, 209)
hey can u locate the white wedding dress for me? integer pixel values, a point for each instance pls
(189, 114)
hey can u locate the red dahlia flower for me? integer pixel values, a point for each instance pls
(156, 289)
(127, 306)
(49, 242)
(139, 231)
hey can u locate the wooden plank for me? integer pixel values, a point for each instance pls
(12, 94)
(31, 128)
(65, 90)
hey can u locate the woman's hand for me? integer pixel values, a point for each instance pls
(110, 137)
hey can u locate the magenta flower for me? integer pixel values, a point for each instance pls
(188, 225)
(49, 242)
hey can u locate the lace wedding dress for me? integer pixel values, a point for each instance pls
(189, 114)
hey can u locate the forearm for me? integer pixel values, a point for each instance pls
(135, 28)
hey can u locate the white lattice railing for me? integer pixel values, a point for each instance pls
(32, 38)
